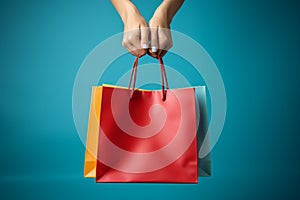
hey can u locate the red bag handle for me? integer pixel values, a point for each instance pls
(164, 80)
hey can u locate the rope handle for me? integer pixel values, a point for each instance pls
(164, 80)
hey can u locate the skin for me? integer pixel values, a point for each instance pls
(139, 37)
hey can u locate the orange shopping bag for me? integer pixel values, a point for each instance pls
(92, 135)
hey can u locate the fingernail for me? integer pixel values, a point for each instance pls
(154, 49)
(145, 46)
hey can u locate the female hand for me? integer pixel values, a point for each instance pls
(136, 36)
(161, 38)
(136, 31)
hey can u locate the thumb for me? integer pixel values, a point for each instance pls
(154, 39)
(144, 37)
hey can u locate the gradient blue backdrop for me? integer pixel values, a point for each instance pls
(255, 44)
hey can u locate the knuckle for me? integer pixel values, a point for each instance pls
(166, 42)
(124, 42)
(131, 37)
(163, 37)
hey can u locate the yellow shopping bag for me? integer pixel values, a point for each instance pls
(92, 135)
(90, 160)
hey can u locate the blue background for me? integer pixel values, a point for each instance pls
(254, 43)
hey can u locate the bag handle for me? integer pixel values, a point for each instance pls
(164, 80)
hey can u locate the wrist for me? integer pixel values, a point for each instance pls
(161, 14)
(129, 10)
(160, 18)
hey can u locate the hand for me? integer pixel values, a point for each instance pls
(136, 32)
(161, 38)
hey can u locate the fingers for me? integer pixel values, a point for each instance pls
(154, 41)
(135, 40)
(165, 38)
(144, 37)
(161, 41)
(131, 49)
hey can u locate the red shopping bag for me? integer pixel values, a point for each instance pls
(147, 136)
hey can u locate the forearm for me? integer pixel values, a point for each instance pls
(125, 8)
(168, 9)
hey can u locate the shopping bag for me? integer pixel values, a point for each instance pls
(92, 134)
(147, 136)
(204, 164)
(90, 160)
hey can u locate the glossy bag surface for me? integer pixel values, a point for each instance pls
(143, 138)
